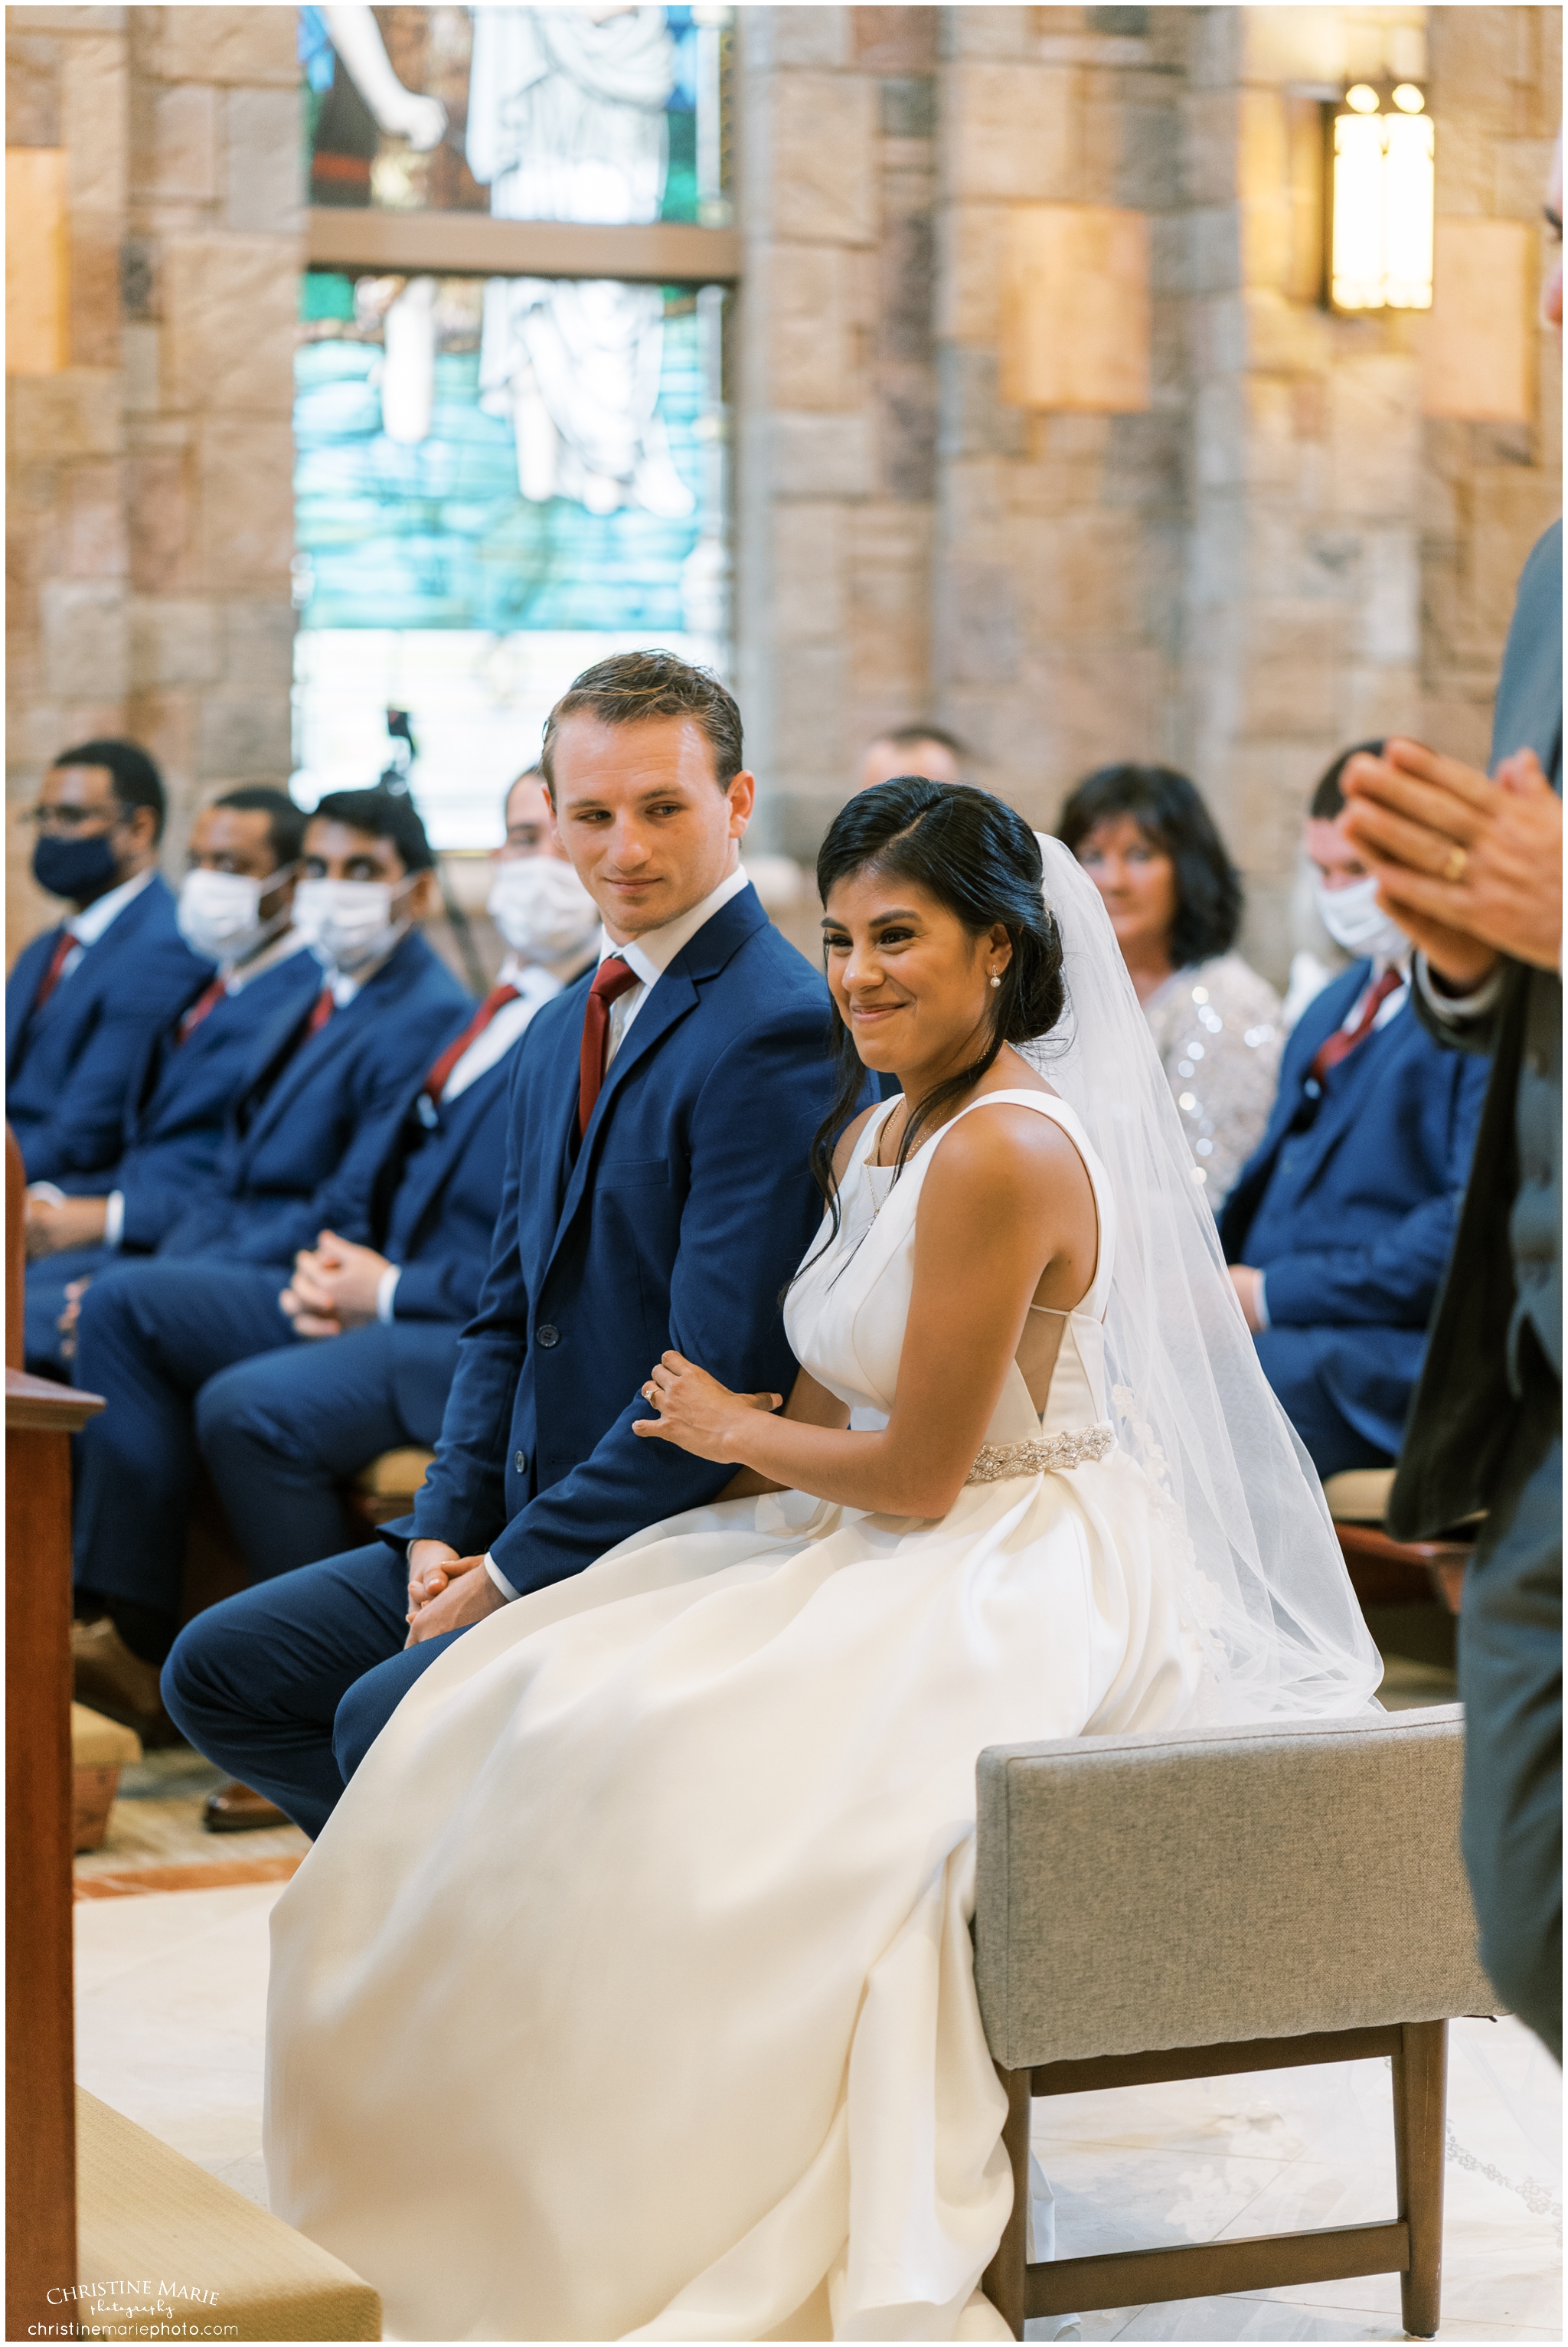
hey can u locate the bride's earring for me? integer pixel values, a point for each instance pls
(995, 979)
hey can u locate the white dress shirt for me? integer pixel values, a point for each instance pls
(650, 956)
(89, 926)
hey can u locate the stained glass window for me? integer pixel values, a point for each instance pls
(498, 479)
(613, 115)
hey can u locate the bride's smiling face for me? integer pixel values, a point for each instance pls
(912, 984)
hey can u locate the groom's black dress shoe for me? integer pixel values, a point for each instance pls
(236, 1809)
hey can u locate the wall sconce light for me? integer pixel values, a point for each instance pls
(1381, 200)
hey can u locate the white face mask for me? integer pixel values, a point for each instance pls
(1355, 920)
(542, 909)
(349, 922)
(220, 913)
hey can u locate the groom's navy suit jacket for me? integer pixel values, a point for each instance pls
(678, 1223)
(1350, 1213)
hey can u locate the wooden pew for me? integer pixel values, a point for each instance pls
(40, 2055)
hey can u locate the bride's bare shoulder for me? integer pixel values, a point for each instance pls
(1006, 1149)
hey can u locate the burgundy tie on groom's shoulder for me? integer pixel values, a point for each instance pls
(612, 979)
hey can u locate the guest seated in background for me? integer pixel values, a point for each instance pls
(1148, 843)
(1339, 1228)
(290, 1382)
(306, 1144)
(282, 1430)
(236, 908)
(84, 997)
(928, 750)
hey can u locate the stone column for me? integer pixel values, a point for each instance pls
(67, 82)
(152, 509)
(837, 396)
(210, 284)
(1058, 574)
(1304, 578)
(1487, 491)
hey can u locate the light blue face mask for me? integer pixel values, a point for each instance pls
(1358, 923)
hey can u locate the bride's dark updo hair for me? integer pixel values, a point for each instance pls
(979, 859)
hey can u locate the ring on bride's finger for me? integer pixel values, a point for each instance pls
(1453, 868)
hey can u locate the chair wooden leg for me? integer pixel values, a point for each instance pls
(1004, 2282)
(1420, 2101)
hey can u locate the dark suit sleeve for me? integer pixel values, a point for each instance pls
(86, 1131)
(343, 1202)
(463, 1500)
(749, 1215)
(447, 1289)
(1478, 1034)
(1392, 1282)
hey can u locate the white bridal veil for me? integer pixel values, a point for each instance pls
(1263, 1583)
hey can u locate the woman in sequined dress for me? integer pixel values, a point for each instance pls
(1148, 843)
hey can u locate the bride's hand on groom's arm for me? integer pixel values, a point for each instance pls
(697, 1413)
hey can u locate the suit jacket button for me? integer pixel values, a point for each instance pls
(520, 1460)
(548, 1335)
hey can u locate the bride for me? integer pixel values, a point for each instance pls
(627, 1992)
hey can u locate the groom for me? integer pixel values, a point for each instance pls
(656, 1194)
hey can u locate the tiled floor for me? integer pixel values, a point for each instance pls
(172, 1998)
(156, 1824)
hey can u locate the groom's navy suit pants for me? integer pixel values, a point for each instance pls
(677, 1222)
(288, 1684)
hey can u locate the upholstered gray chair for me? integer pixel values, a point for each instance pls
(1186, 1906)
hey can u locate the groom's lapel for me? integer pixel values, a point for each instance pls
(668, 1003)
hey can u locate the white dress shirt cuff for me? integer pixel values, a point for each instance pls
(114, 1218)
(1455, 1010)
(1260, 1300)
(50, 1192)
(385, 1289)
(499, 1578)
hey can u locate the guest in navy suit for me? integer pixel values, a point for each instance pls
(84, 997)
(236, 907)
(656, 1194)
(282, 1430)
(1340, 1226)
(305, 1143)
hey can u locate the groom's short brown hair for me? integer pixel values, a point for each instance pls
(629, 687)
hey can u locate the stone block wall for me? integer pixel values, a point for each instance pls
(836, 394)
(150, 520)
(1487, 490)
(1280, 556)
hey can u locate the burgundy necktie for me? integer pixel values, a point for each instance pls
(65, 946)
(1344, 1038)
(496, 999)
(208, 999)
(611, 980)
(325, 1005)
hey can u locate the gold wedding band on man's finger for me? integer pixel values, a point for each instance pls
(1454, 867)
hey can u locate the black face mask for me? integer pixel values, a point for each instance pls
(78, 869)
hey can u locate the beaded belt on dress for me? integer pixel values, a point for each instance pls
(1075, 1445)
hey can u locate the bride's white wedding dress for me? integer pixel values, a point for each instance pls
(627, 1992)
